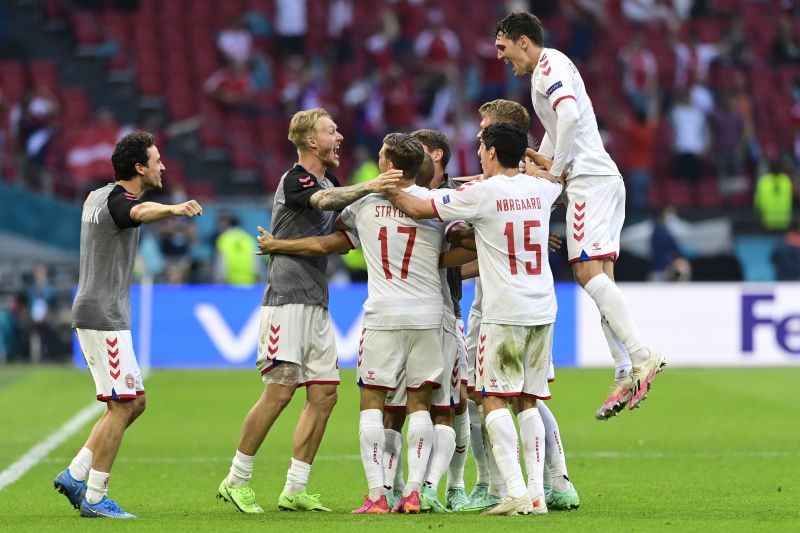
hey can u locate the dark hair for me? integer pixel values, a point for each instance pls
(405, 153)
(130, 150)
(509, 141)
(435, 140)
(425, 172)
(520, 23)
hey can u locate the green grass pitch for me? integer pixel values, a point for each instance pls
(710, 450)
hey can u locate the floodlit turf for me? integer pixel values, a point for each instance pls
(709, 450)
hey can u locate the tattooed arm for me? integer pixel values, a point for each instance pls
(337, 198)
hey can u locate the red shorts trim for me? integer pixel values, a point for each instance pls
(464, 382)
(102, 398)
(139, 392)
(612, 255)
(394, 407)
(502, 394)
(272, 365)
(435, 386)
(375, 387)
(319, 382)
(470, 389)
(526, 395)
(550, 380)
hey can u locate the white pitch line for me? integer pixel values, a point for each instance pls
(33, 456)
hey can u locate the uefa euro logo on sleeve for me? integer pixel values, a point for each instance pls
(446, 199)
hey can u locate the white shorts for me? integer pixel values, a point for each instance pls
(388, 356)
(471, 345)
(449, 394)
(300, 334)
(463, 368)
(110, 358)
(595, 213)
(514, 360)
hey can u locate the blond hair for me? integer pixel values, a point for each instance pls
(506, 111)
(303, 125)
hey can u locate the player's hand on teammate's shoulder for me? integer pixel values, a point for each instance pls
(189, 209)
(385, 181)
(544, 174)
(265, 241)
(464, 179)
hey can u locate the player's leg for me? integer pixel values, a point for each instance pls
(562, 495)
(537, 366)
(112, 363)
(595, 211)
(394, 417)
(456, 495)
(442, 414)
(320, 375)
(380, 360)
(279, 359)
(475, 416)
(423, 373)
(502, 376)
(372, 440)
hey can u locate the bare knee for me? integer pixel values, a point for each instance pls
(278, 395)
(324, 400)
(586, 270)
(121, 410)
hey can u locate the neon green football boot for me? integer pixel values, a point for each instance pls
(301, 501)
(242, 497)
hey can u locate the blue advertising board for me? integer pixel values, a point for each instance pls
(216, 326)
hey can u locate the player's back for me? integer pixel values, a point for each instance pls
(402, 256)
(511, 230)
(555, 79)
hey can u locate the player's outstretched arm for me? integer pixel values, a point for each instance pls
(307, 246)
(150, 212)
(456, 257)
(337, 198)
(410, 205)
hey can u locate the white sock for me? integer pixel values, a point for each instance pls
(554, 456)
(96, 485)
(241, 469)
(444, 443)
(420, 441)
(455, 471)
(392, 459)
(476, 442)
(504, 441)
(622, 359)
(531, 432)
(614, 308)
(297, 477)
(80, 465)
(497, 486)
(373, 441)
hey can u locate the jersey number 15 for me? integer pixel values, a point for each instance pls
(527, 244)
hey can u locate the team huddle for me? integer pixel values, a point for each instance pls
(421, 233)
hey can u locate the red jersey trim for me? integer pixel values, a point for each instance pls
(433, 203)
(562, 98)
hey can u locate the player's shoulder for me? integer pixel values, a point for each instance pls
(116, 191)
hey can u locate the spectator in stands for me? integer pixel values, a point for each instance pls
(645, 11)
(291, 27)
(235, 42)
(735, 48)
(341, 19)
(727, 133)
(437, 44)
(741, 102)
(32, 122)
(786, 47)
(366, 167)
(235, 259)
(230, 87)
(40, 297)
(639, 144)
(586, 17)
(667, 262)
(774, 198)
(692, 59)
(786, 256)
(383, 44)
(399, 99)
(690, 139)
(639, 73)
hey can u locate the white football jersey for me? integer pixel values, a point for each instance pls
(554, 79)
(476, 301)
(511, 217)
(402, 255)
